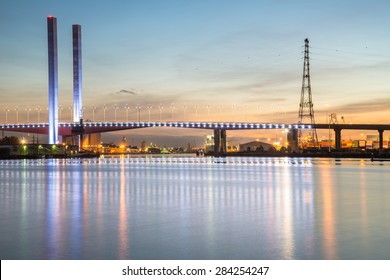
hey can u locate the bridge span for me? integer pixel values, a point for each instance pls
(219, 128)
(65, 128)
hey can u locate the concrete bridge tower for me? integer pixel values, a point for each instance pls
(77, 74)
(53, 78)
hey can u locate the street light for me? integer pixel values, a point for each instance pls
(93, 112)
(172, 107)
(28, 109)
(6, 114)
(161, 108)
(17, 114)
(330, 140)
(39, 113)
(326, 112)
(127, 112)
(234, 112)
(138, 107)
(196, 112)
(60, 113)
(184, 111)
(104, 112)
(149, 107)
(71, 113)
(115, 108)
(258, 109)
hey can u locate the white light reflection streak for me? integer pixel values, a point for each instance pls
(52, 211)
(363, 205)
(287, 214)
(24, 214)
(86, 215)
(329, 241)
(123, 227)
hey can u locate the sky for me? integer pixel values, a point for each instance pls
(214, 60)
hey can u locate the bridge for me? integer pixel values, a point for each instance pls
(68, 129)
(77, 128)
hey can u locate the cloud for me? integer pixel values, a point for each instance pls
(125, 91)
(366, 106)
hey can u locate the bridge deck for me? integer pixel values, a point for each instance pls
(65, 128)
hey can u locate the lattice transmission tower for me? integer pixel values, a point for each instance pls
(306, 111)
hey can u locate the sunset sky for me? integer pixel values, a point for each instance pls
(243, 59)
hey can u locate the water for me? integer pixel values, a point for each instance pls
(194, 208)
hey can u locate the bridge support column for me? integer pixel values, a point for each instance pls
(292, 139)
(380, 140)
(337, 132)
(219, 141)
(77, 134)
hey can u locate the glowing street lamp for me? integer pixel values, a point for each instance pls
(184, 111)
(172, 107)
(6, 114)
(196, 112)
(258, 109)
(17, 114)
(220, 110)
(93, 112)
(149, 108)
(326, 112)
(60, 113)
(234, 112)
(127, 112)
(115, 108)
(138, 107)
(330, 140)
(104, 112)
(28, 109)
(39, 113)
(161, 108)
(71, 112)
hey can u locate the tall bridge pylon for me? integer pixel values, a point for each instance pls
(306, 111)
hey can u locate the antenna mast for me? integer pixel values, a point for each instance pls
(306, 112)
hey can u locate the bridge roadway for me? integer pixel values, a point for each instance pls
(65, 128)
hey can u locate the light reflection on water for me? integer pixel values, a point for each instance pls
(194, 208)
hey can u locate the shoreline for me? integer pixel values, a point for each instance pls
(372, 156)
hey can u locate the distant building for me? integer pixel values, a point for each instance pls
(209, 143)
(133, 149)
(92, 140)
(372, 138)
(154, 150)
(255, 146)
(144, 148)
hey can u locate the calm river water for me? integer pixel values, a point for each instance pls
(194, 208)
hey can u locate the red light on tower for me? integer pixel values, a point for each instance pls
(50, 17)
